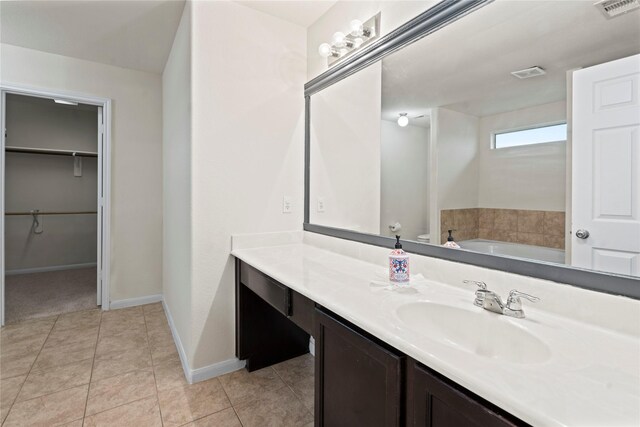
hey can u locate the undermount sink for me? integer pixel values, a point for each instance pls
(479, 332)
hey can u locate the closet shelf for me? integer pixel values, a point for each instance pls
(52, 213)
(50, 151)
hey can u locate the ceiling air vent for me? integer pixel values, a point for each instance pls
(613, 8)
(529, 72)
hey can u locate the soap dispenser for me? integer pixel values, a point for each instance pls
(450, 243)
(399, 264)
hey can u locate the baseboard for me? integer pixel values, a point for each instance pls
(178, 343)
(132, 302)
(51, 268)
(215, 370)
(206, 372)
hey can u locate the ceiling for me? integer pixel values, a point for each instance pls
(300, 12)
(130, 34)
(466, 66)
(136, 34)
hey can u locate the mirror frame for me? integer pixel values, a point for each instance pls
(428, 22)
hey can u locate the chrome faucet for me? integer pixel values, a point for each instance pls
(491, 301)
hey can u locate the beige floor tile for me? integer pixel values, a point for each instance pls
(156, 321)
(164, 353)
(26, 346)
(55, 379)
(27, 330)
(118, 324)
(141, 413)
(84, 318)
(159, 337)
(9, 389)
(305, 391)
(122, 312)
(115, 391)
(296, 369)
(118, 361)
(153, 308)
(76, 423)
(17, 359)
(226, 418)
(279, 408)
(127, 340)
(64, 355)
(52, 409)
(68, 336)
(169, 375)
(180, 405)
(242, 386)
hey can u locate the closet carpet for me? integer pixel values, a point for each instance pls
(35, 295)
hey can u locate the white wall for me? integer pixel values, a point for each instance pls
(345, 152)
(337, 18)
(136, 185)
(457, 148)
(41, 123)
(248, 72)
(404, 179)
(526, 177)
(176, 170)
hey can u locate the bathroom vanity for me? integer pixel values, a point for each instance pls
(360, 380)
(425, 355)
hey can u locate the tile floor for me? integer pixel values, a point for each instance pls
(121, 368)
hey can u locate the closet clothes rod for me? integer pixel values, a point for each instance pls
(28, 150)
(52, 213)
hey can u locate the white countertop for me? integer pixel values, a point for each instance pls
(590, 378)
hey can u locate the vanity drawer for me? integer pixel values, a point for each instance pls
(276, 294)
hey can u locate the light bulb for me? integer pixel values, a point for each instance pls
(357, 42)
(356, 27)
(403, 121)
(325, 50)
(338, 39)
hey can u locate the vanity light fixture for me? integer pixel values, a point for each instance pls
(342, 45)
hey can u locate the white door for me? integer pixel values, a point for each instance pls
(100, 203)
(606, 167)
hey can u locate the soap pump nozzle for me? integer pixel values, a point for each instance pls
(450, 238)
(398, 244)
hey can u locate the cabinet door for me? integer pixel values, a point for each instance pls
(358, 380)
(435, 402)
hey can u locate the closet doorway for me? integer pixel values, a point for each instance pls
(54, 164)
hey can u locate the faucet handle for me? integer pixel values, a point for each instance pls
(481, 285)
(514, 303)
(480, 293)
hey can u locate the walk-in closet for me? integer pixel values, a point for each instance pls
(51, 207)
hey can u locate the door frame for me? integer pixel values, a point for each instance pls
(103, 157)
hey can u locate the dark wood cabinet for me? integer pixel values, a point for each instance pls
(358, 379)
(265, 332)
(434, 401)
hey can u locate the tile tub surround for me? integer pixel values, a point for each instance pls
(591, 378)
(529, 227)
(121, 367)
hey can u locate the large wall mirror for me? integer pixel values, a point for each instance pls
(514, 129)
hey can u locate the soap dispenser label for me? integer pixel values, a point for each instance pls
(399, 269)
